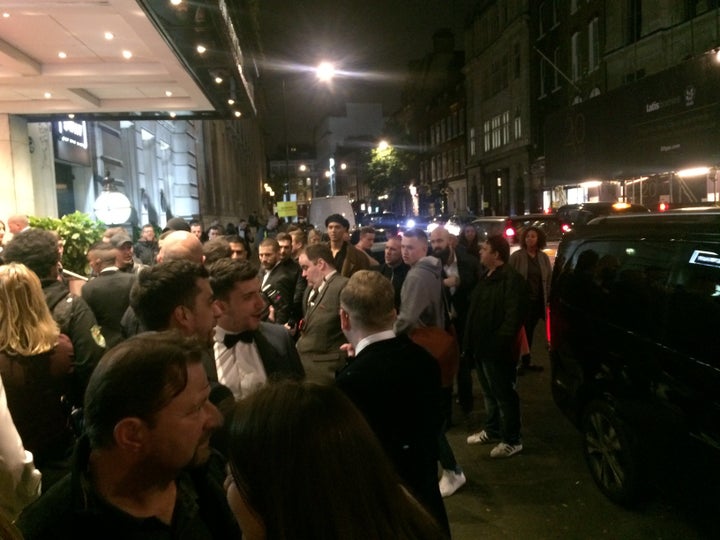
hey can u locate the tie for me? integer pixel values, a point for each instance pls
(231, 339)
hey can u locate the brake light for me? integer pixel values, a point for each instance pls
(663, 206)
(509, 232)
(548, 331)
(565, 227)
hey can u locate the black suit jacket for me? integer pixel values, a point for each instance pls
(396, 385)
(469, 269)
(277, 352)
(108, 295)
(280, 288)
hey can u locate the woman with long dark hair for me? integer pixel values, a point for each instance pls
(305, 464)
(468, 240)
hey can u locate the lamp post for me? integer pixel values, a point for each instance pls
(111, 206)
(325, 71)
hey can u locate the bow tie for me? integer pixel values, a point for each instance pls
(231, 339)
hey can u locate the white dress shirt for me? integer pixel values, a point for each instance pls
(239, 368)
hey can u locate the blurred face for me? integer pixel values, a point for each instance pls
(488, 257)
(238, 251)
(196, 230)
(470, 233)
(213, 233)
(311, 271)
(201, 320)
(440, 243)
(244, 307)
(296, 246)
(285, 249)
(366, 241)
(531, 240)
(413, 249)
(336, 232)
(148, 234)
(393, 253)
(268, 257)
(182, 429)
(124, 255)
(250, 523)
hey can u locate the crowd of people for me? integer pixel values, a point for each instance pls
(284, 356)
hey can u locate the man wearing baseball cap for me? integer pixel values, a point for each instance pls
(347, 258)
(125, 260)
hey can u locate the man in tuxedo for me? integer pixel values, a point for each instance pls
(395, 384)
(320, 333)
(108, 295)
(278, 279)
(247, 351)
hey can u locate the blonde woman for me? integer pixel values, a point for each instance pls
(35, 364)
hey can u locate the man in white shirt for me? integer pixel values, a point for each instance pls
(247, 351)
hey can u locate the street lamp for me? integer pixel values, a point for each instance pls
(325, 71)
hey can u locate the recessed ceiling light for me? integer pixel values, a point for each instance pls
(176, 2)
(109, 36)
(172, 115)
(201, 49)
(62, 54)
(127, 54)
(47, 95)
(231, 101)
(5, 15)
(218, 79)
(238, 114)
(71, 116)
(168, 93)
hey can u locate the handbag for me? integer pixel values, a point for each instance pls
(443, 346)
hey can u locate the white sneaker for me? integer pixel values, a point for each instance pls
(481, 437)
(505, 450)
(450, 482)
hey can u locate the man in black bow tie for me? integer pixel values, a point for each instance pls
(247, 351)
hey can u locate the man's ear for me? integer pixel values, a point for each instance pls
(344, 320)
(130, 434)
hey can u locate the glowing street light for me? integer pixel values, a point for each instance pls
(383, 145)
(325, 71)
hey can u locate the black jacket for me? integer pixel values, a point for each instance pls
(498, 306)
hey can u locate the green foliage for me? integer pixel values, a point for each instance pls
(388, 171)
(78, 231)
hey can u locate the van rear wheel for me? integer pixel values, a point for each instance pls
(611, 454)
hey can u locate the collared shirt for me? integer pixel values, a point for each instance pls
(108, 269)
(325, 280)
(373, 338)
(240, 368)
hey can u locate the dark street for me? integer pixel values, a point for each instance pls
(546, 491)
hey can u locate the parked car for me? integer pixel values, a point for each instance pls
(576, 215)
(634, 319)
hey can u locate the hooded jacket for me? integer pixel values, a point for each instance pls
(421, 302)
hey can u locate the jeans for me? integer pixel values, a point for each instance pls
(446, 457)
(498, 378)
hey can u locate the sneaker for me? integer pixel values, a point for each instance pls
(450, 482)
(505, 450)
(481, 437)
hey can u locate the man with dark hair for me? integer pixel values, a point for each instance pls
(347, 258)
(139, 470)
(395, 384)
(214, 231)
(394, 268)
(497, 311)
(38, 250)
(239, 247)
(278, 281)
(146, 249)
(366, 239)
(248, 351)
(298, 241)
(125, 255)
(320, 334)
(108, 294)
(197, 229)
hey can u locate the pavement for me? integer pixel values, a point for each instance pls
(546, 492)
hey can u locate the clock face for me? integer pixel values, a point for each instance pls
(112, 208)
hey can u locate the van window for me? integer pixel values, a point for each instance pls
(694, 311)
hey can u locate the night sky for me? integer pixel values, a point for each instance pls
(372, 40)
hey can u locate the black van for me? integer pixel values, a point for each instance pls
(635, 346)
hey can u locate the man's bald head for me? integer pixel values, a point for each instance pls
(181, 246)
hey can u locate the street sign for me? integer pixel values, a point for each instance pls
(287, 208)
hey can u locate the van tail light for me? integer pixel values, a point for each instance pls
(548, 331)
(662, 207)
(565, 227)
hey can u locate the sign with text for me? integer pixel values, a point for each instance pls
(71, 142)
(287, 208)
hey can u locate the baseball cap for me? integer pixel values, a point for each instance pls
(120, 239)
(177, 224)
